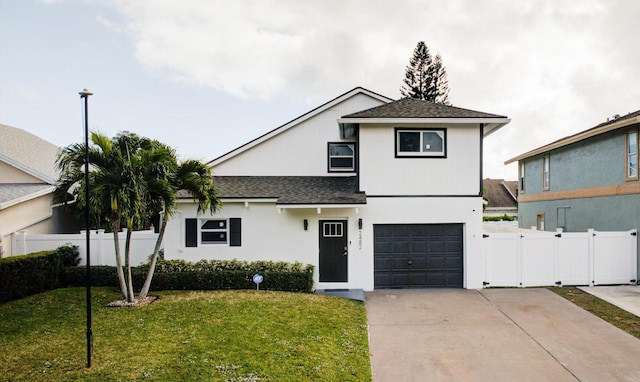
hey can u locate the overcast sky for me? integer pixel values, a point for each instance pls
(208, 76)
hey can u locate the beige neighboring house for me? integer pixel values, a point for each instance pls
(27, 179)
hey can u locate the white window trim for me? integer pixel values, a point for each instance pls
(441, 131)
(521, 178)
(626, 154)
(546, 172)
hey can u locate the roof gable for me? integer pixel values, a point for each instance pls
(297, 121)
(617, 123)
(500, 193)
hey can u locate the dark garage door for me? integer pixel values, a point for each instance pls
(418, 255)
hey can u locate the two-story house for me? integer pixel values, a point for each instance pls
(374, 193)
(586, 180)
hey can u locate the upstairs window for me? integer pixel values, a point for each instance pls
(341, 157)
(521, 178)
(421, 143)
(631, 143)
(545, 172)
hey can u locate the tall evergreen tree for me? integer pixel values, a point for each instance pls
(425, 77)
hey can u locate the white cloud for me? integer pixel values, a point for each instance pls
(554, 67)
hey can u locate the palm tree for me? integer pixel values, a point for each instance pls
(119, 192)
(192, 176)
(132, 179)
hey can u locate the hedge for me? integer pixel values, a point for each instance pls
(205, 275)
(504, 217)
(25, 275)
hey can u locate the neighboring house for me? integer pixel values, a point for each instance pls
(374, 193)
(502, 197)
(586, 180)
(27, 179)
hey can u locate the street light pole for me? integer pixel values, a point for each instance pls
(85, 94)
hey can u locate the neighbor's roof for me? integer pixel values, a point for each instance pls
(14, 193)
(411, 110)
(290, 189)
(28, 153)
(604, 127)
(501, 193)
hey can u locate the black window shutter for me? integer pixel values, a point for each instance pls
(191, 232)
(235, 232)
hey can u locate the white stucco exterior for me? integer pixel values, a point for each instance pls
(278, 234)
(399, 191)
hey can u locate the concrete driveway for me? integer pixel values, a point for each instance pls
(493, 335)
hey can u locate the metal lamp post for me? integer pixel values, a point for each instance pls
(85, 94)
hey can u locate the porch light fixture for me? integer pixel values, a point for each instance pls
(360, 223)
(305, 223)
(85, 94)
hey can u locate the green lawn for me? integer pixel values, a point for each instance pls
(186, 336)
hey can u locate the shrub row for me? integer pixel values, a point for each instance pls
(34, 273)
(504, 217)
(205, 275)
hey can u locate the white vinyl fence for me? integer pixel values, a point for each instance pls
(564, 258)
(101, 244)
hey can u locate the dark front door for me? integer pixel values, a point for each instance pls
(333, 251)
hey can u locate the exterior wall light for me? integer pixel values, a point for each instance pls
(360, 223)
(305, 223)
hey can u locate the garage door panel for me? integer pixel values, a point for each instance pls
(400, 247)
(454, 263)
(418, 246)
(436, 246)
(418, 255)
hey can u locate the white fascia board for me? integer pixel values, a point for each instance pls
(26, 169)
(574, 138)
(295, 122)
(234, 200)
(316, 206)
(25, 198)
(491, 124)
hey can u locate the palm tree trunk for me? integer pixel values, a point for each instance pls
(127, 259)
(123, 285)
(154, 259)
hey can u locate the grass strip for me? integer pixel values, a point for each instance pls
(618, 317)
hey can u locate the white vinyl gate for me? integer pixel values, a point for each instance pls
(568, 258)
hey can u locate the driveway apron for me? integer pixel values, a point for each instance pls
(493, 335)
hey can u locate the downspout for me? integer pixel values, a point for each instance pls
(481, 155)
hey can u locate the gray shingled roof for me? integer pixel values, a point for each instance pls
(29, 151)
(415, 108)
(290, 189)
(500, 193)
(12, 191)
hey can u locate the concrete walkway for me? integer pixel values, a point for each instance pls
(493, 335)
(626, 297)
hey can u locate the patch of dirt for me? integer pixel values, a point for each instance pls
(137, 302)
